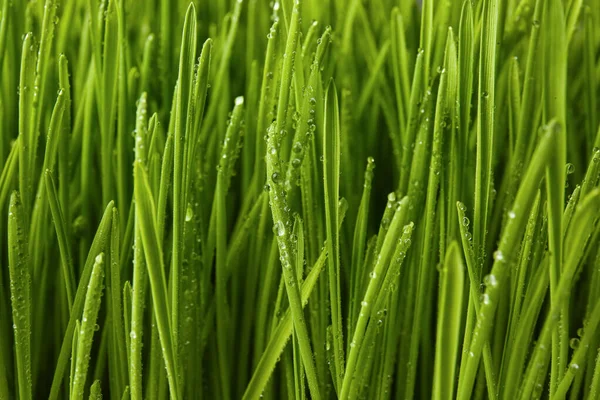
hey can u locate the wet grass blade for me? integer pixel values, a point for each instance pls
(20, 288)
(88, 326)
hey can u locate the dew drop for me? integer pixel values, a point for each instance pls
(498, 256)
(189, 213)
(279, 229)
(574, 343)
(490, 280)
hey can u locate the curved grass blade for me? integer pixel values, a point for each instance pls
(181, 141)
(512, 233)
(99, 244)
(370, 297)
(146, 211)
(63, 240)
(449, 323)
(282, 229)
(85, 335)
(280, 336)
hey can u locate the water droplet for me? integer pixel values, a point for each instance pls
(275, 177)
(498, 256)
(267, 188)
(364, 303)
(465, 221)
(296, 162)
(570, 168)
(297, 147)
(392, 197)
(189, 213)
(100, 258)
(279, 229)
(373, 275)
(485, 298)
(132, 335)
(574, 343)
(511, 214)
(490, 280)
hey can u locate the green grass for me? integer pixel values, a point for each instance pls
(309, 199)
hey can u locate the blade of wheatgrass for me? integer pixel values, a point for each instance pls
(140, 273)
(591, 98)
(400, 66)
(126, 316)
(282, 229)
(99, 244)
(586, 214)
(524, 330)
(96, 391)
(146, 211)
(180, 141)
(306, 122)
(280, 336)
(444, 107)
(512, 233)
(449, 323)
(10, 171)
(373, 290)
(359, 244)
(116, 308)
(93, 298)
(229, 154)
(265, 105)
(465, 86)
(20, 285)
(224, 63)
(26, 84)
(578, 358)
(124, 116)
(63, 142)
(45, 47)
(377, 313)
(331, 176)
(555, 107)
(108, 81)
(74, 355)
(63, 240)
(485, 126)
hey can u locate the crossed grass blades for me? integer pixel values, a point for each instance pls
(300, 199)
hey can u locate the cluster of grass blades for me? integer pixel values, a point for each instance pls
(308, 199)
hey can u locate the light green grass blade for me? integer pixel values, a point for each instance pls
(331, 174)
(145, 209)
(88, 326)
(99, 244)
(449, 323)
(20, 288)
